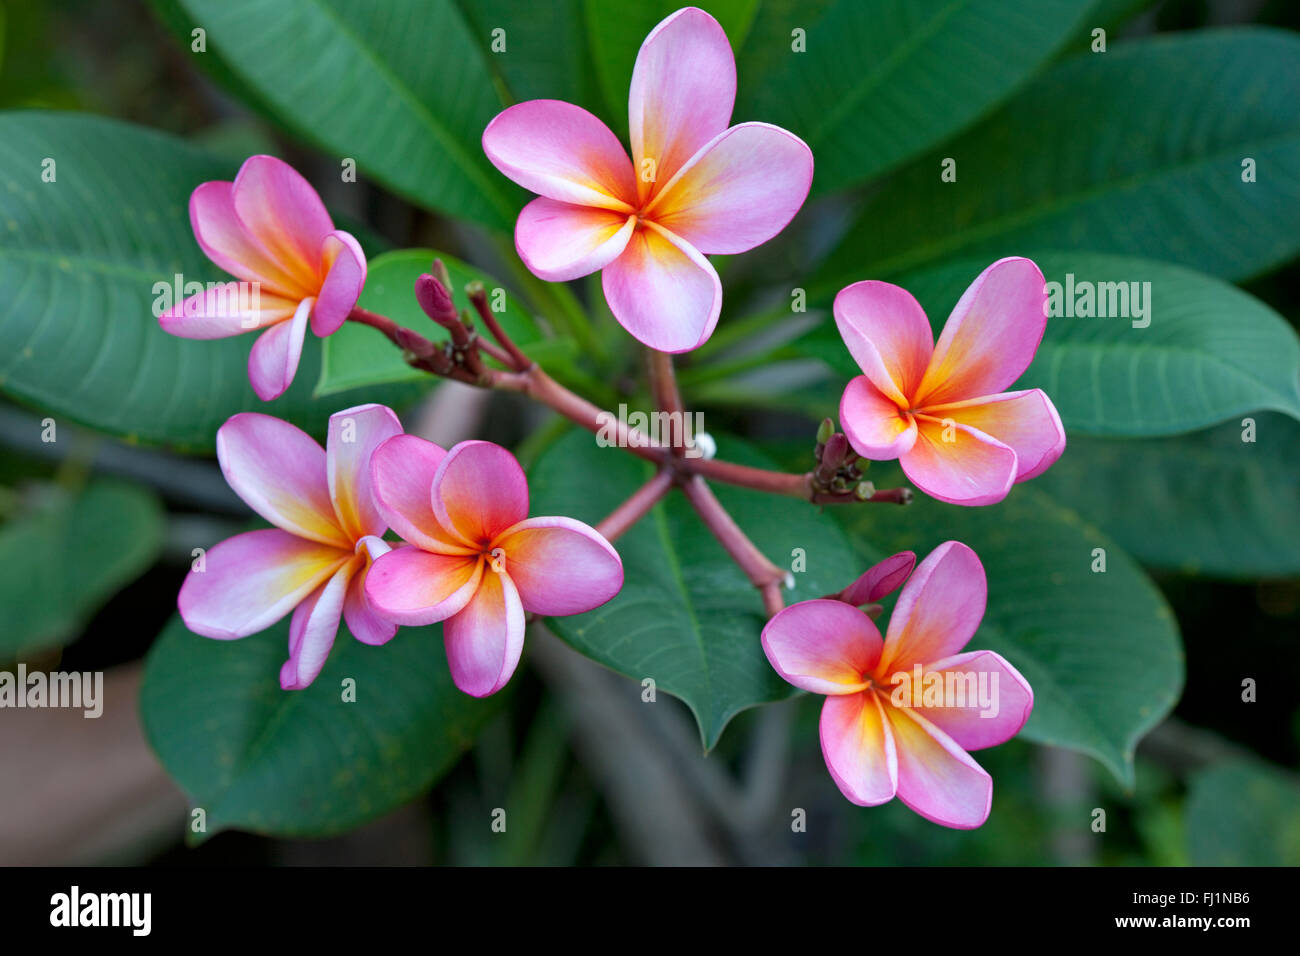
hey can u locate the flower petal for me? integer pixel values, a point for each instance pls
(479, 491)
(354, 434)
(663, 291)
(344, 265)
(314, 626)
(888, 335)
(559, 241)
(991, 336)
(683, 90)
(823, 646)
(278, 206)
(859, 748)
(739, 191)
(273, 362)
(562, 152)
(279, 471)
(364, 621)
(1009, 700)
(402, 471)
(873, 423)
(225, 240)
(413, 587)
(959, 464)
(485, 639)
(938, 611)
(250, 581)
(1026, 422)
(560, 566)
(880, 579)
(936, 778)
(231, 308)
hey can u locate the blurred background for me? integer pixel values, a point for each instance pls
(594, 776)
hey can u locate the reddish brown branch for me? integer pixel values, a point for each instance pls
(637, 506)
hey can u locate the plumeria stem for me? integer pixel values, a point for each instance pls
(478, 298)
(760, 571)
(637, 506)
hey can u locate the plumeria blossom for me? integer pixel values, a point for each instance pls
(315, 560)
(939, 407)
(270, 230)
(694, 185)
(881, 736)
(475, 560)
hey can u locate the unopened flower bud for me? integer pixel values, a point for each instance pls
(825, 430)
(435, 300)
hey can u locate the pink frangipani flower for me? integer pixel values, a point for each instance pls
(315, 560)
(475, 560)
(693, 186)
(901, 713)
(939, 407)
(270, 230)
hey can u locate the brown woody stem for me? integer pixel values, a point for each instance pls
(637, 506)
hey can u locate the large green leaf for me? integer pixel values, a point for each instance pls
(68, 556)
(1138, 150)
(400, 86)
(1204, 352)
(1205, 503)
(1100, 649)
(79, 258)
(686, 617)
(877, 83)
(304, 763)
(1243, 814)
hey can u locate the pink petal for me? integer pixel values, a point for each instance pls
(354, 434)
(273, 362)
(484, 640)
(973, 727)
(1026, 422)
(479, 491)
(827, 647)
(250, 581)
(344, 265)
(880, 579)
(683, 90)
(936, 778)
(939, 610)
(225, 240)
(859, 748)
(990, 337)
(231, 308)
(663, 291)
(887, 334)
(562, 152)
(402, 471)
(363, 619)
(873, 423)
(279, 471)
(559, 241)
(559, 566)
(278, 206)
(739, 191)
(413, 587)
(959, 464)
(313, 629)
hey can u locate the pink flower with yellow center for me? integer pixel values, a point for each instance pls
(476, 561)
(884, 735)
(270, 230)
(315, 560)
(939, 407)
(694, 185)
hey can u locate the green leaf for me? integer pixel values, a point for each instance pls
(876, 84)
(1101, 650)
(399, 86)
(356, 355)
(1243, 814)
(79, 260)
(304, 763)
(1206, 503)
(1136, 151)
(687, 616)
(68, 556)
